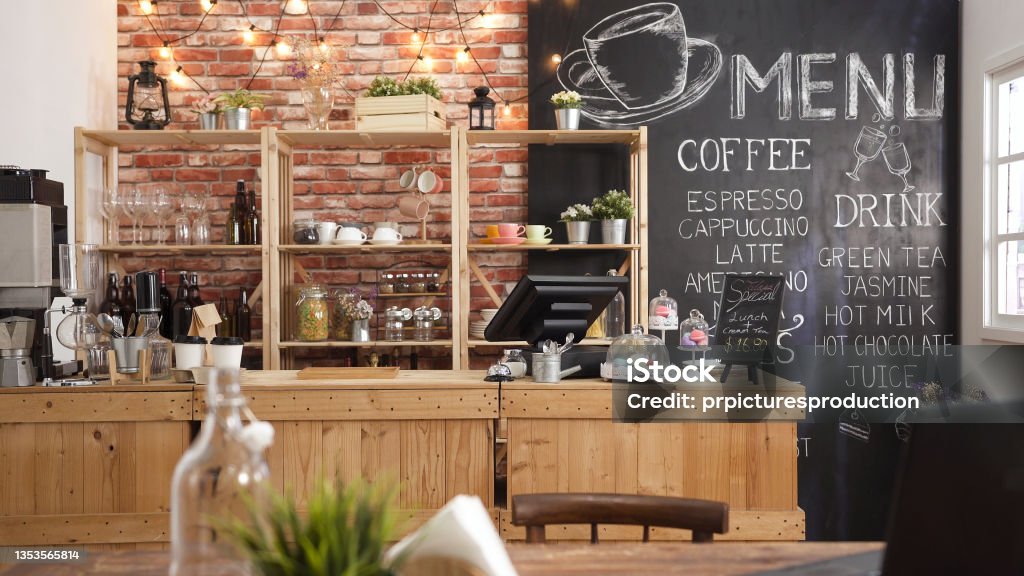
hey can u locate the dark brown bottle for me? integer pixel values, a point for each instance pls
(181, 309)
(242, 214)
(111, 301)
(166, 323)
(233, 231)
(193, 292)
(243, 317)
(256, 236)
(127, 300)
(227, 324)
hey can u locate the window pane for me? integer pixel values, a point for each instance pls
(1011, 117)
(1011, 278)
(1010, 190)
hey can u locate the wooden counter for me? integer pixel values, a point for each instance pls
(561, 438)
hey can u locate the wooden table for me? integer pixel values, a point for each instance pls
(720, 559)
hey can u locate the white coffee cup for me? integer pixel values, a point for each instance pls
(226, 352)
(386, 234)
(326, 231)
(345, 233)
(188, 352)
(429, 183)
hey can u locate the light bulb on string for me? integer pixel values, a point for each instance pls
(507, 109)
(146, 6)
(296, 7)
(463, 55)
(207, 5)
(281, 48)
(249, 36)
(178, 76)
(416, 37)
(486, 19)
(165, 52)
(556, 58)
(324, 47)
(428, 62)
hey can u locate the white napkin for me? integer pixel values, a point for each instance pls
(464, 530)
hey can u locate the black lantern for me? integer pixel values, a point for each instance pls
(147, 93)
(481, 110)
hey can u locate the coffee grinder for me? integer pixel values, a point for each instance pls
(16, 336)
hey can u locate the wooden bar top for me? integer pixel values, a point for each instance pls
(719, 558)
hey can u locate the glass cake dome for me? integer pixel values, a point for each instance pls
(632, 346)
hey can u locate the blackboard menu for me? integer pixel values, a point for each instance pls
(813, 140)
(748, 324)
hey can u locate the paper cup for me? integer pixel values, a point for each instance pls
(227, 352)
(188, 352)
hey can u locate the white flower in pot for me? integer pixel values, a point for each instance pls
(613, 209)
(208, 110)
(567, 109)
(238, 107)
(577, 223)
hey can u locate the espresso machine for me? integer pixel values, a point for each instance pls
(34, 221)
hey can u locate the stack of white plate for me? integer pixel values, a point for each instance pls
(477, 327)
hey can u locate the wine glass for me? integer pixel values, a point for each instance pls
(869, 144)
(163, 207)
(132, 207)
(898, 161)
(111, 208)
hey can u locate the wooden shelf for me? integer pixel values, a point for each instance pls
(551, 247)
(173, 137)
(513, 344)
(366, 248)
(176, 249)
(413, 295)
(254, 344)
(363, 138)
(371, 344)
(552, 137)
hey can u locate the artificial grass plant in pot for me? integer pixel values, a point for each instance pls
(613, 209)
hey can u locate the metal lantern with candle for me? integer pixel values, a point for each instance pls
(481, 110)
(147, 95)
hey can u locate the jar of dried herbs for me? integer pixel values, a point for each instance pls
(311, 314)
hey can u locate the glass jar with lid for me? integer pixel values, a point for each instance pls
(402, 283)
(418, 283)
(394, 323)
(311, 314)
(434, 283)
(693, 332)
(423, 323)
(304, 231)
(386, 285)
(664, 313)
(632, 346)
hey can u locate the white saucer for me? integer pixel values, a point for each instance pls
(541, 242)
(343, 242)
(390, 242)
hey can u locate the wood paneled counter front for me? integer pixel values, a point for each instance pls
(92, 465)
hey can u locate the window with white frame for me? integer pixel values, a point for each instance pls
(1004, 196)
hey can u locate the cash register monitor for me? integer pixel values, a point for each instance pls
(550, 307)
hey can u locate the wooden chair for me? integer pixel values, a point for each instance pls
(535, 511)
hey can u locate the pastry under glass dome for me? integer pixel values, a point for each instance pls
(634, 346)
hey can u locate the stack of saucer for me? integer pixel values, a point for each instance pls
(477, 327)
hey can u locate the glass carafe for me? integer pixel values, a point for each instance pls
(222, 470)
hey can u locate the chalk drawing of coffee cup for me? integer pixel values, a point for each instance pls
(619, 92)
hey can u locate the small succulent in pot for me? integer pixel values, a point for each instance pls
(208, 110)
(567, 109)
(238, 107)
(613, 209)
(577, 223)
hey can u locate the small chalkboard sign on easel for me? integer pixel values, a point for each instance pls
(748, 322)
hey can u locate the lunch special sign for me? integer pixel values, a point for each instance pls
(813, 140)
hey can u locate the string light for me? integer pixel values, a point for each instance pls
(507, 109)
(428, 62)
(296, 7)
(416, 37)
(207, 5)
(146, 6)
(486, 19)
(165, 52)
(281, 48)
(249, 36)
(463, 55)
(323, 45)
(177, 76)
(556, 58)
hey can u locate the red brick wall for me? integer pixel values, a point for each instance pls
(352, 186)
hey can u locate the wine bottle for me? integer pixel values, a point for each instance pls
(254, 218)
(243, 317)
(193, 292)
(181, 310)
(226, 326)
(232, 231)
(166, 323)
(127, 300)
(112, 301)
(241, 213)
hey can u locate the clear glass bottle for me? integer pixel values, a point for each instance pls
(693, 332)
(221, 470)
(312, 320)
(615, 314)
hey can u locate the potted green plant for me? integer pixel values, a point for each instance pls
(238, 107)
(613, 209)
(414, 104)
(577, 223)
(567, 109)
(345, 530)
(208, 111)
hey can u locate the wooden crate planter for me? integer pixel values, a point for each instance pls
(398, 113)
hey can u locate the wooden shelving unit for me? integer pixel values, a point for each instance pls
(279, 256)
